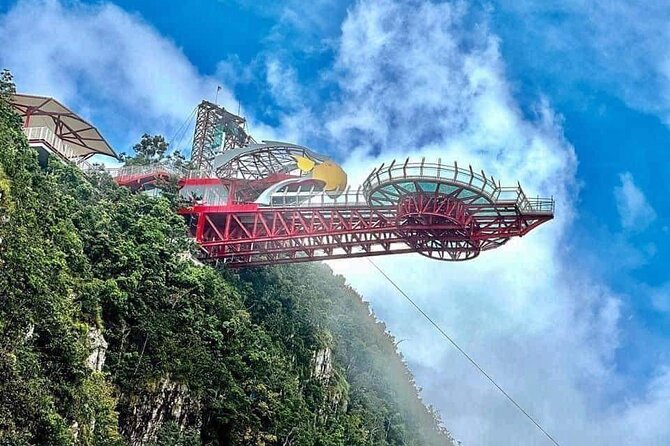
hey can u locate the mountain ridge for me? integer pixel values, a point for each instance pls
(113, 335)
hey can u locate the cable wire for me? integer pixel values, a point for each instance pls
(181, 130)
(468, 357)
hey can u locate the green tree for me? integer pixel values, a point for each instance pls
(150, 149)
(7, 85)
(154, 149)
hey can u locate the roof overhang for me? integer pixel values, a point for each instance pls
(42, 111)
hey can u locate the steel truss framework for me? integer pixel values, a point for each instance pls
(254, 168)
(261, 161)
(434, 225)
(68, 127)
(216, 130)
(440, 211)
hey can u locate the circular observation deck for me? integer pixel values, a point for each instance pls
(386, 185)
(448, 212)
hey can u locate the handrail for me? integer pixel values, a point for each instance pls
(459, 176)
(156, 168)
(384, 174)
(310, 198)
(46, 135)
(142, 170)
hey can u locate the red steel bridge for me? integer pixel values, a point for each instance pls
(248, 203)
(439, 211)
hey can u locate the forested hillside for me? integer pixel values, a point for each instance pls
(111, 334)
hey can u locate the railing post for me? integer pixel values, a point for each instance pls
(377, 174)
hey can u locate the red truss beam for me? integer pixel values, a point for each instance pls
(139, 181)
(436, 226)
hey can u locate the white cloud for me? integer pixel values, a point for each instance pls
(635, 211)
(300, 26)
(660, 297)
(417, 81)
(297, 120)
(104, 63)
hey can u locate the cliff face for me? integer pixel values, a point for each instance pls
(110, 334)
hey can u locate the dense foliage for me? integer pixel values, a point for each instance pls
(195, 355)
(153, 149)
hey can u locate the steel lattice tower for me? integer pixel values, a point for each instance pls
(216, 130)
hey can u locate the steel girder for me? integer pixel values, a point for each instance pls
(439, 228)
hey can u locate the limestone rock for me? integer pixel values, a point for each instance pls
(323, 364)
(98, 349)
(167, 400)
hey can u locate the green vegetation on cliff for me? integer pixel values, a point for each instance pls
(111, 334)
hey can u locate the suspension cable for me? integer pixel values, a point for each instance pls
(468, 357)
(182, 129)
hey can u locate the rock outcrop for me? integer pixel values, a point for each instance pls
(166, 400)
(323, 364)
(98, 349)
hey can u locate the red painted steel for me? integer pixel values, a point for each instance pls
(251, 208)
(439, 211)
(139, 181)
(436, 226)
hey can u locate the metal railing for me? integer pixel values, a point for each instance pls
(456, 175)
(540, 205)
(144, 170)
(46, 136)
(157, 169)
(314, 197)
(211, 195)
(518, 197)
(196, 174)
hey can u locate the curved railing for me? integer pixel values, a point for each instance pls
(436, 171)
(454, 174)
(256, 161)
(144, 170)
(417, 171)
(161, 168)
(318, 198)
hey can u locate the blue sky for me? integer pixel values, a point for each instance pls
(611, 135)
(573, 100)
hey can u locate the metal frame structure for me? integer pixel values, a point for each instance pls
(440, 211)
(142, 177)
(259, 161)
(52, 126)
(252, 204)
(216, 130)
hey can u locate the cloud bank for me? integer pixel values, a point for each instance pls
(109, 65)
(618, 45)
(416, 80)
